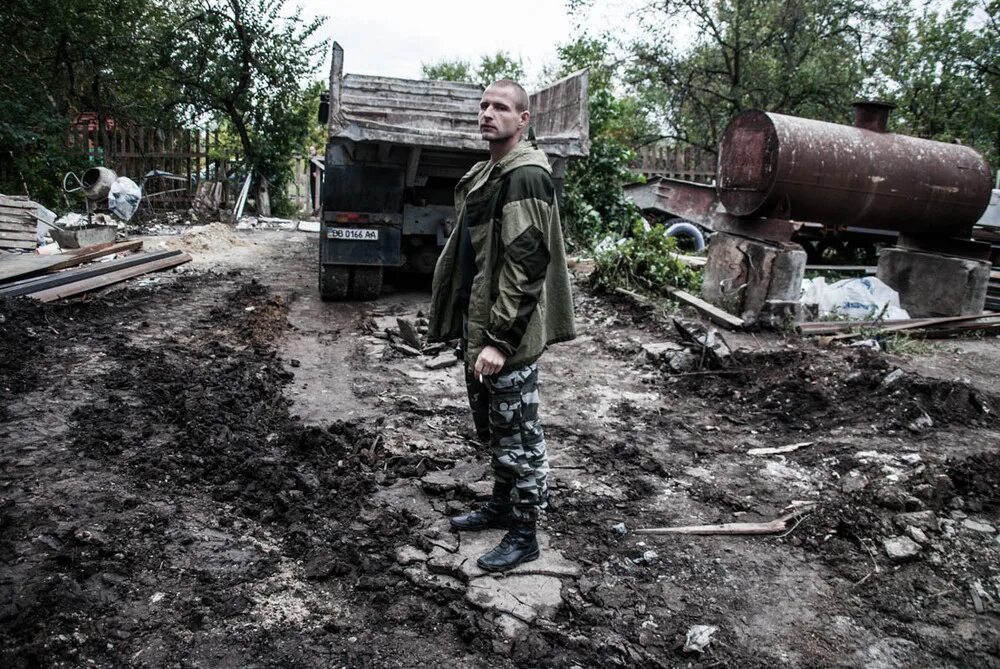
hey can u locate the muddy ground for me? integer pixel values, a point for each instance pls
(216, 469)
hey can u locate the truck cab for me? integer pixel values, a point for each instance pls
(396, 150)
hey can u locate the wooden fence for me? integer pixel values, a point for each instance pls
(188, 156)
(664, 160)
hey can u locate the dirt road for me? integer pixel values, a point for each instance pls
(219, 470)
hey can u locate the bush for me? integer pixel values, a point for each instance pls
(646, 261)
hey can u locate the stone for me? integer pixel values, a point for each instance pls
(683, 361)
(978, 526)
(924, 520)
(917, 535)
(523, 596)
(655, 351)
(892, 377)
(742, 275)
(510, 626)
(900, 549)
(441, 361)
(409, 554)
(619, 529)
(932, 285)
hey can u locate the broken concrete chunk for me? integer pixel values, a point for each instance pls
(442, 361)
(698, 637)
(657, 350)
(524, 596)
(619, 529)
(684, 361)
(920, 424)
(924, 520)
(892, 377)
(410, 554)
(406, 349)
(408, 333)
(978, 526)
(901, 549)
(917, 535)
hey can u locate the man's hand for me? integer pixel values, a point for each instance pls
(489, 362)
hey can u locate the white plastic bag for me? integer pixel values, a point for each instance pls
(124, 198)
(861, 299)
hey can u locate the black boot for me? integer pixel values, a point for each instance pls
(519, 545)
(493, 514)
(496, 513)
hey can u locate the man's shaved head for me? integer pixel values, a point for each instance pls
(520, 95)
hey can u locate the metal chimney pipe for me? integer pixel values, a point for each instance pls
(872, 115)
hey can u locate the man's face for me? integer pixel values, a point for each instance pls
(498, 115)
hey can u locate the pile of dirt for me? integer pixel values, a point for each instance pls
(211, 238)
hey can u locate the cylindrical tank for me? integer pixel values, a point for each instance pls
(780, 166)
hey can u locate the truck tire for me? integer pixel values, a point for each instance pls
(366, 282)
(689, 236)
(334, 282)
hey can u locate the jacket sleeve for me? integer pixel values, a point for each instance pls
(524, 235)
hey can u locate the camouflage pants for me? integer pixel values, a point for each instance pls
(505, 411)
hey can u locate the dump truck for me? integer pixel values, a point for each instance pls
(396, 149)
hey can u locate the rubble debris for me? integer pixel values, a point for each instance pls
(917, 535)
(441, 361)
(620, 529)
(405, 349)
(408, 333)
(978, 526)
(892, 377)
(85, 235)
(925, 520)
(779, 449)
(698, 637)
(900, 549)
(775, 526)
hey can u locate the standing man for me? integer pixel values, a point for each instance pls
(502, 287)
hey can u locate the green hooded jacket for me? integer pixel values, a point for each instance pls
(521, 300)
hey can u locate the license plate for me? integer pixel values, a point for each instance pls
(354, 234)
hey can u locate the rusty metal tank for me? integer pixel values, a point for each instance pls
(779, 166)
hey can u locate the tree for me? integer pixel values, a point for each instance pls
(594, 202)
(448, 70)
(500, 65)
(942, 70)
(68, 57)
(804, 57)
(243, 62)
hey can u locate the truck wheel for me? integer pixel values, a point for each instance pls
(334, 282)
(366, 282)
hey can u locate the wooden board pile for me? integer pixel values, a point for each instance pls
(76, 273)
(928, 328)
(19, 218)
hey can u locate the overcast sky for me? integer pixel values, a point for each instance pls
(393, 37)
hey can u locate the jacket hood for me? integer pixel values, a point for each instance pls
(525, 153)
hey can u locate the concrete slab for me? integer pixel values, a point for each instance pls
(525, 596)
(932, 285)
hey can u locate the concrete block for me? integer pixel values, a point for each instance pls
(932, 285)
(744, 275)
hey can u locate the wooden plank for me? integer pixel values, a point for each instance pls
(24, 265)
(28, 286)
(104, 280)
(916, 324)
(17, 235)
(17, 244)
(11, 226)
(716, 315)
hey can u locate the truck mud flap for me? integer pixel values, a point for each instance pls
(384, 251)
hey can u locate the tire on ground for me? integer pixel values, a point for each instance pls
(680, 227)
(366, 282)
(334, 282)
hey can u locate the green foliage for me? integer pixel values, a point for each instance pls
(245, 62)
(448, 70)
(500, 65)
(593, 201)
(803, 57)
(942, 70)
(647, 260)
(67, 57)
